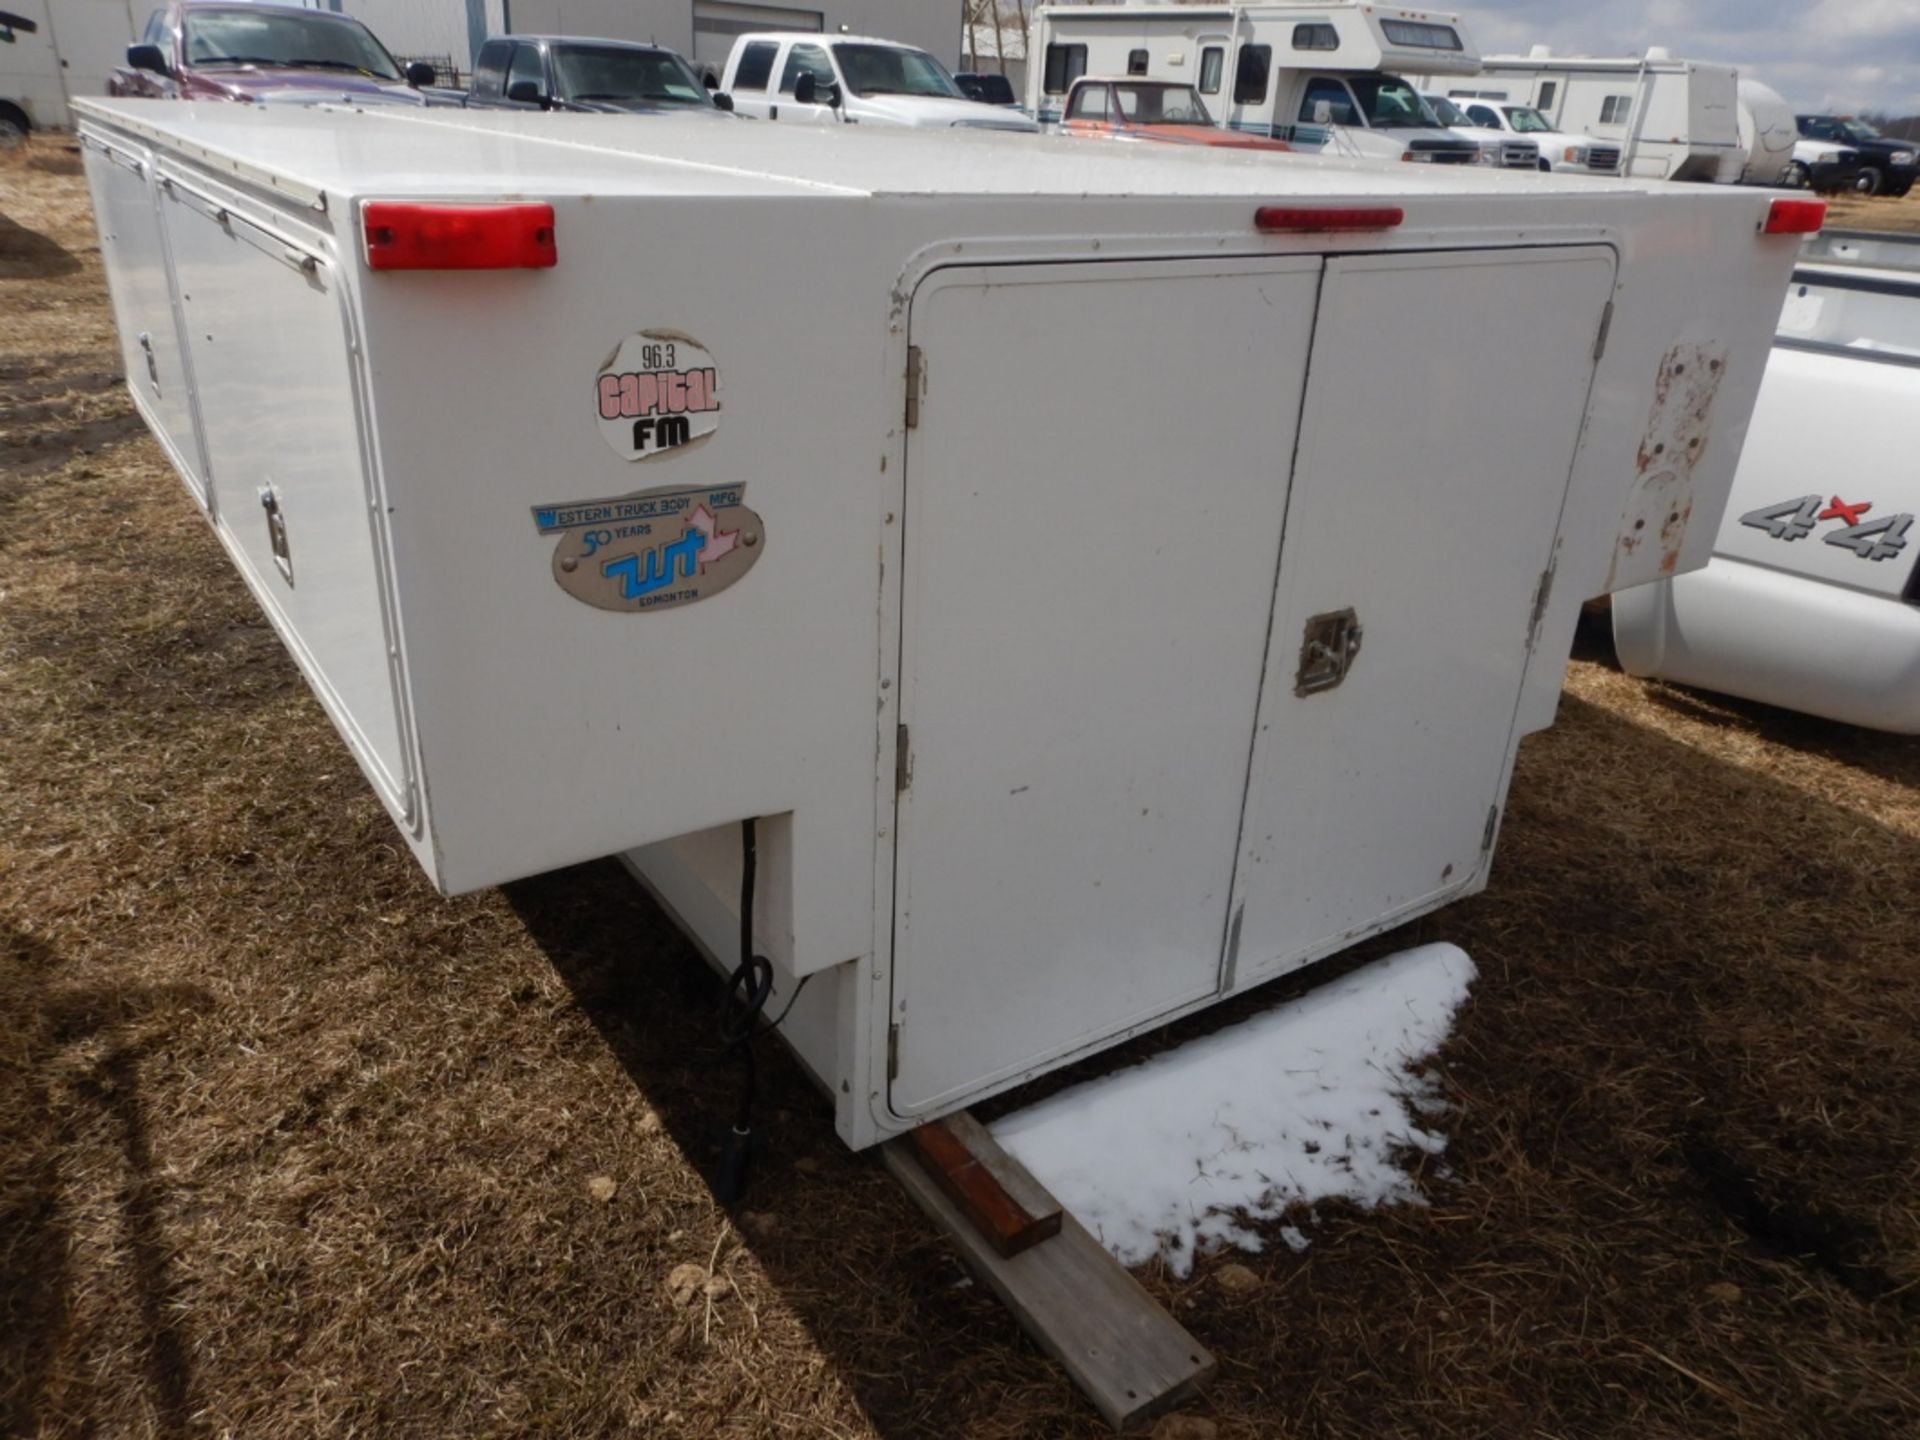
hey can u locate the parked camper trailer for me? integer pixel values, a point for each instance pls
(1768, 133)
(1670, 119)
(613, 484)
(1325, 78)
(53, 51)
(1812, 599)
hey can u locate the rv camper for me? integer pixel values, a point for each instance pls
(1323, 77)
(1672, 119)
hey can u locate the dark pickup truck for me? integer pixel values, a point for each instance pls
(194, 50)
(1886, 166)
(570, 73)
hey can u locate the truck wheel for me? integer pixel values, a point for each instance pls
(1870, 182)
(1794, 177)
(1546, 168)
(13, 130)
(1899, 190)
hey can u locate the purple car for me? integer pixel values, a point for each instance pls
(206, 50)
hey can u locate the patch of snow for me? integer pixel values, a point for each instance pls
(1307, 1102)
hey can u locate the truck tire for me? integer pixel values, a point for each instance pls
(1872, 180)
(1794, 177)
(1899, 190)
(13, 128)
(1546, 167)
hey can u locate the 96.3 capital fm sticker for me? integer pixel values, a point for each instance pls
(658, 392)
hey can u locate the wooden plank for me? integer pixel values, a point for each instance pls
(1128, 1356)
(968, 1164)
(1025, 1191)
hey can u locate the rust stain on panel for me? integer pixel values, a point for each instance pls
(1678, 429)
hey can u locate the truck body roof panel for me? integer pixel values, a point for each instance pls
(348, 151)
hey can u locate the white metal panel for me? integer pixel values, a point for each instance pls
(1778, 638)
(92, 37)
(267, 342)
(1082, 646)
(143, 305)
(1426, 498)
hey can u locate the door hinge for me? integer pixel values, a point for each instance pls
(893, 1052)
(1606, 324)
(915, 368)
(902, 759)
(1493, 824)
(1542, 593)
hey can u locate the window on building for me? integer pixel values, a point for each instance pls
(1549, 92)
(1315, 37)
(1213, 61)
(1250, 73)
(1065, 64)
(1615, 109)
(1136, 62)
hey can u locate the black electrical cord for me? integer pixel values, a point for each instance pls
(748, 989)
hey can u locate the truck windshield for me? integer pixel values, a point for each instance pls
(1445, 111)
(1858, 130)
(1389, 103)
(894, 70)
(1161, 104)
(1527, 121)
(621, 72)
(248, 35)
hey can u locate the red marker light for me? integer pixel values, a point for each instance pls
(408, 236)
(1795, 217)
(1309, 219)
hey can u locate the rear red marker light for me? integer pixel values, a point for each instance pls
(407, 236)
(1307, 219)
(1795, 217)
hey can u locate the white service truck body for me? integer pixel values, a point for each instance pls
(888, 490)
(1812, 598)
(1322, 77)
(1667, 119)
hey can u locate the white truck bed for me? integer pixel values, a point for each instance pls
(992, 495)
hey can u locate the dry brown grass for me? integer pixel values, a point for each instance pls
(1859, 213)
(290, 1146)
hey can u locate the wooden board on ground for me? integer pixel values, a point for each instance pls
(994, 1190)
(1128, 1356)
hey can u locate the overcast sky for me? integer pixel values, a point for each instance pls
(1845, 55)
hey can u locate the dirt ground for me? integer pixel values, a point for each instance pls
(290, 1146)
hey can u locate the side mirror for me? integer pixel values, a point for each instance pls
(830, 95)
(722, 100)
(526, 92)
(805, 90)
(148, 57)
(419, 73)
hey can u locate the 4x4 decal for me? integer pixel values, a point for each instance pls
(1796, 519)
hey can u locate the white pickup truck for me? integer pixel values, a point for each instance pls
(1812, 598)
(1559, 151)
(615, 485)
(853, 80)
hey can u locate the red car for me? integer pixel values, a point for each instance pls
(204, 50)
(1159, 110)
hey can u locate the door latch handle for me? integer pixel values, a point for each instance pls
(1327, 651)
